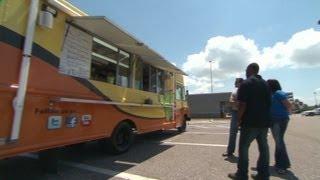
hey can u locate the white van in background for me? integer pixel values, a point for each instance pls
(313, 112)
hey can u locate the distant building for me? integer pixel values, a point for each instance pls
(209, 105)
(213, 105)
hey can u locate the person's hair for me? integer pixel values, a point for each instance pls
(274, 85)
(254, 67)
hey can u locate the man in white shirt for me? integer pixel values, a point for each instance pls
(233, 123)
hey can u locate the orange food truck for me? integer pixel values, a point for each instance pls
(68, 78)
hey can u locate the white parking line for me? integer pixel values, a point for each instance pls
(200, 127)
(86, 167)
(209, 122)
(126, 163)
(206, 133)
(193, 144)
(108, 172)
(221, 126)
(212, 127)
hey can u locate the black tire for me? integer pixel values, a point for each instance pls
(183, 127)
(120, 141)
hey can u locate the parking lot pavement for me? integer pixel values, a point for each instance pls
(195, 154)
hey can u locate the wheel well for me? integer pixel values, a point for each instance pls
(130, 122)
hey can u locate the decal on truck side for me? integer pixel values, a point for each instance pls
(86, 120)
(54, 122)
(71, 121)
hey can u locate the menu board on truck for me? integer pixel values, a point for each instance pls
(76, 53)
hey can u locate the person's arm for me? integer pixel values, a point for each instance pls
(287, 104)
(241, 110)
(282, 97)
(242, 98)
(232, 100)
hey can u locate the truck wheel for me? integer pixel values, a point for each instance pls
(121, 139)
(183, 127)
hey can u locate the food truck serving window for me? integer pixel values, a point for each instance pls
(104, 63)
(153, 79)
(180, 93)
(124, 69)
(109, 64)
(138, 74)
(89, 57)
(160, 81)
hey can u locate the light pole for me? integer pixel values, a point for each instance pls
(315, 98)
(211, 75)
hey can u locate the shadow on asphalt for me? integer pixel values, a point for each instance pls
(289, 175)
(232, 159)
(157, 136)
(145, 147)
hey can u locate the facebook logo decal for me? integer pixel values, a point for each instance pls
(71, 121)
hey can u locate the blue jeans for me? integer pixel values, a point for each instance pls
(233, 132)
(247, 135)
(278, 130)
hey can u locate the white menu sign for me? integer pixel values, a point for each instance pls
(76, 54)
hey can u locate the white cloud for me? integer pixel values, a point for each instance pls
(232, 54)
(200, 84)
(302, 50)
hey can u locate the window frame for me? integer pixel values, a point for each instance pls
(116, 61)
(182, 93)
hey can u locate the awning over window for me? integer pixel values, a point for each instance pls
(104, 28)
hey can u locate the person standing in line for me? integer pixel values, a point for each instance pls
(234, 120)
(280, 110)
(254, 119)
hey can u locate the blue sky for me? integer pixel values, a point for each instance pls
(239, 32)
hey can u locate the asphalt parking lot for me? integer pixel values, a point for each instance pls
(195, 154)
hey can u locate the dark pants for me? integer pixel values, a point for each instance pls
(233, 132)
(278, 130)
(247, 135)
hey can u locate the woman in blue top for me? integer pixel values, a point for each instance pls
(280, 110)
